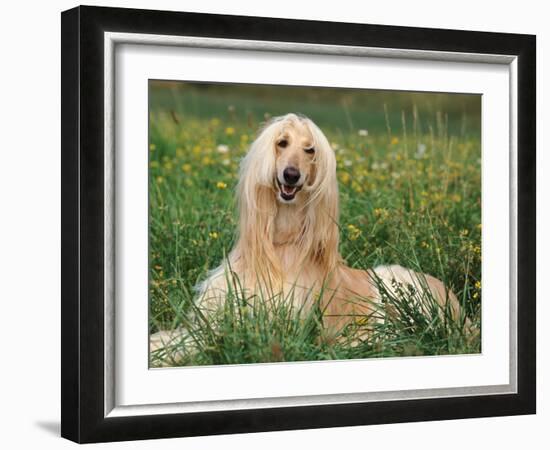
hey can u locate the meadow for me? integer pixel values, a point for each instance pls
(409, 171)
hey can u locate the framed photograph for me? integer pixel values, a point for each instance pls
(273, 224)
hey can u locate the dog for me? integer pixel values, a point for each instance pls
(288, 235)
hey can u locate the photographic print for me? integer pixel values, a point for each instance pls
(295, 223)
(285, 205)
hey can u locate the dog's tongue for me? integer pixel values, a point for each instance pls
(288, 189)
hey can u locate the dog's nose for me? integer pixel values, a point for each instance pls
(291, 175)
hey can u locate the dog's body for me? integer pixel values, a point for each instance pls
(288, 232)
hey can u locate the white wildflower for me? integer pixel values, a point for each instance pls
(379, 166)
(420, 151)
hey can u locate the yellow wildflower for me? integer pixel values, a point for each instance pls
(345, 177)
(213, 235)
(152, 147)
(221, 185)
(478, 284)
(230, 131)
(381, 212)
(354, 232)
(186, 168)
(394, 140)
(160, 180)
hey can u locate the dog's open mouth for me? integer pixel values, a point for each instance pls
(287, 192)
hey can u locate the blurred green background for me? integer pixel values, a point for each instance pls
(338, 109)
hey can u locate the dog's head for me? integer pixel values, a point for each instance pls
(290, 165)
(293, 158)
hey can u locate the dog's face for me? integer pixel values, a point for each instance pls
(294, 160)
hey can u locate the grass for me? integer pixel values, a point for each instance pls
(410, 193)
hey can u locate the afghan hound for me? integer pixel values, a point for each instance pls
(288, 234)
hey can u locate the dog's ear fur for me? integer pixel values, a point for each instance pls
(258, 205)
(258, 166)
(323, 207)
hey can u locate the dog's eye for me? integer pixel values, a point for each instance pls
(310, 150)
(282, 143)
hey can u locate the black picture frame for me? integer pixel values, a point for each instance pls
(83, 201)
